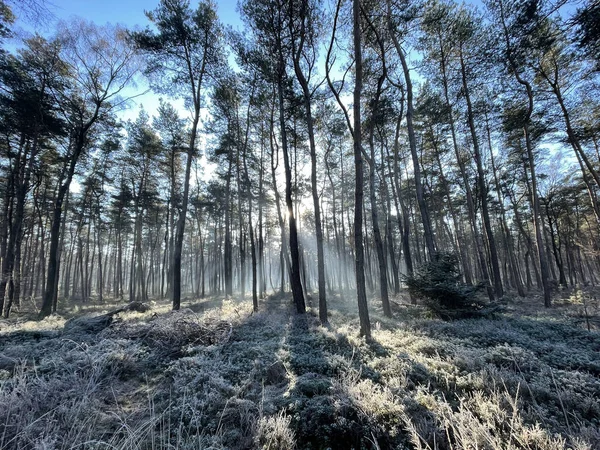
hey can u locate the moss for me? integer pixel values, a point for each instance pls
(311, 384)
(326, 422)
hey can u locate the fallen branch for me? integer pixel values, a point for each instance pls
(95, 324)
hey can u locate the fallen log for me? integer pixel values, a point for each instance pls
(95, 324)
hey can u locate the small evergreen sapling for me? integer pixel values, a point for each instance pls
(438, 283)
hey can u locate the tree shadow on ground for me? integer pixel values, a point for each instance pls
(540, 371)
(240, 379)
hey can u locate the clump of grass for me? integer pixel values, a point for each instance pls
(275, 433)
(58, 401)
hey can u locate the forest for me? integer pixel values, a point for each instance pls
(341, 224)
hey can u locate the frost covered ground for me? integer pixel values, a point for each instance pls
(213, 375)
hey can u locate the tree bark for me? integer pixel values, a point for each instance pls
(295, 280)
(306, 97)
(363, 310)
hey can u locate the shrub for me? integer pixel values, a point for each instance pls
(438, 283)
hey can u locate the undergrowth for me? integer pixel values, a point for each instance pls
(223, 377)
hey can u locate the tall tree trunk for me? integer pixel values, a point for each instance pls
(313, 185)
(261, 203)
(508, 238)
(51, 291)
(284, 260)
(381, 260)
(466, 182)
(535, 201)
(295, 280)
(482, 184)
(184, 207)
(227, 254)
(425, 217)
(458, 239)
(401, 209)
(363, 310)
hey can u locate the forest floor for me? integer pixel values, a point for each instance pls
(215, 375)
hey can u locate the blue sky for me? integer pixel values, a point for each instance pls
(127, 12)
